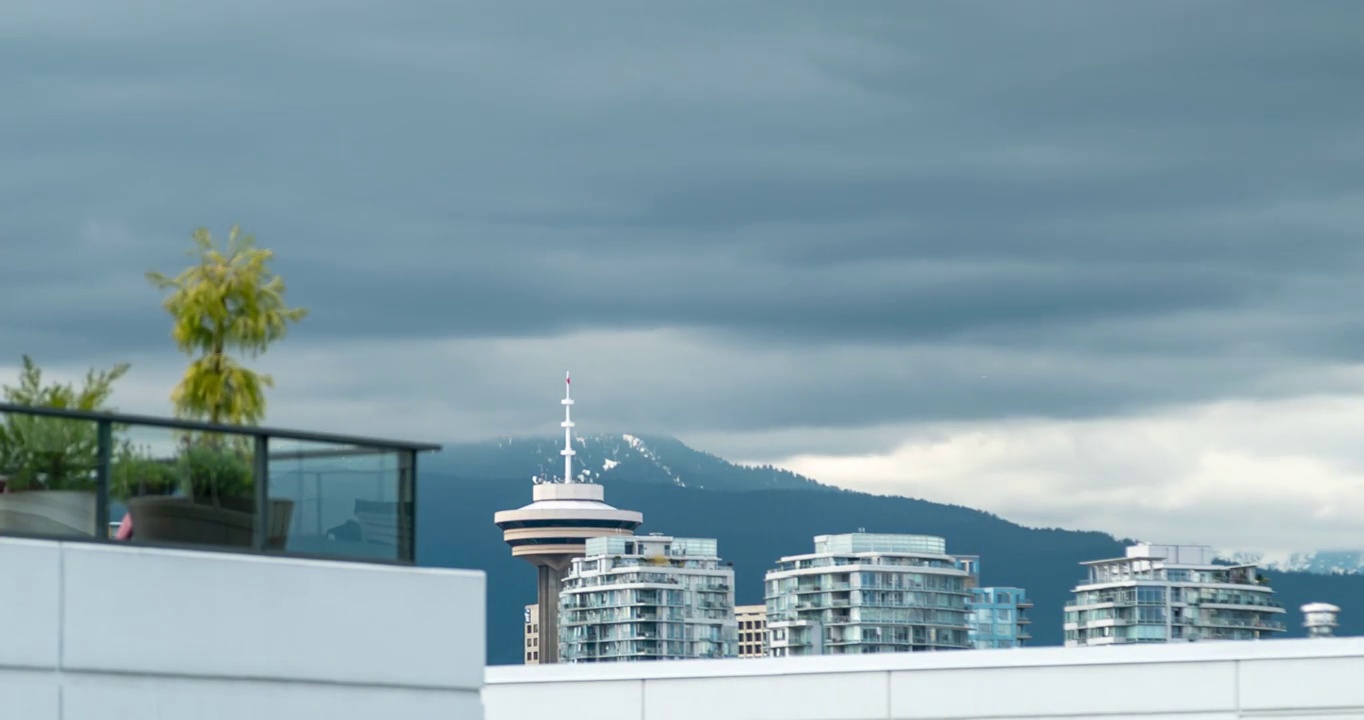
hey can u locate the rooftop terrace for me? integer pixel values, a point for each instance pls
(109, 477)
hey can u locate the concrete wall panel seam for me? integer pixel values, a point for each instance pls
(1236, 686)
(265, 680)
(890, 706)
(61, 607)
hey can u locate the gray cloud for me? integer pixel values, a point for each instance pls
(1096, 206)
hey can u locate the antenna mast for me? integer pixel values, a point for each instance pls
(567, 425)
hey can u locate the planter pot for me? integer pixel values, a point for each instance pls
(48, 512)
(180, 520)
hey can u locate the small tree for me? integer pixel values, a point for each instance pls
(229, 301)
(47, 452)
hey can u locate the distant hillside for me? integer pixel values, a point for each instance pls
(608, 458)
(759, 515)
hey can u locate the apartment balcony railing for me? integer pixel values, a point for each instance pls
(1160, 577)
(824, 587)
(1241, 601)
(572, 616)
(1129, 599)
(1248, 624)
(109, 477)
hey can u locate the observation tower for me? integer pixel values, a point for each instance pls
(552, 530)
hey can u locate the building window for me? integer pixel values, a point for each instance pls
(1151, 595)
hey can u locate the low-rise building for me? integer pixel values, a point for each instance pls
(752, 622)
(531, 646)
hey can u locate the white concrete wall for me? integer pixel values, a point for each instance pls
(1297, 679)
(119, 632)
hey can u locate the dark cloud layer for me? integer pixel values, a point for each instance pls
(1176, 187)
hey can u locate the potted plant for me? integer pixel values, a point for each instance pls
(216, 504)
(49, 464)
(226, 304)
(136, 473)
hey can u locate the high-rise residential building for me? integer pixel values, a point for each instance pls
(971, 565)
(551, 531)
(531, 647)
(998, 617)
(864, 593)
(1164, 593)
(650, 597)
(752, 622)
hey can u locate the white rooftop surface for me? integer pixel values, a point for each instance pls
(1318, 679)
(109, 631)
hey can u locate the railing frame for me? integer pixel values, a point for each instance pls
(105, 423)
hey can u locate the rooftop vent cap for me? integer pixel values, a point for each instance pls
(1319, 619)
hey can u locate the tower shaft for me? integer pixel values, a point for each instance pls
(551, 579)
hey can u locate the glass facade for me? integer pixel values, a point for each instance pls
(854, 543)
(999, 617)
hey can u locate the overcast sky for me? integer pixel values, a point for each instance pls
(1081, 263)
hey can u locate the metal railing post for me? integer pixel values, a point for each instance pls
(407, 505)
(261, 481)
(104, 453)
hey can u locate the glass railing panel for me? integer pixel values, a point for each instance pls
(172, 487)
(161, 481)
(48, 475)
(340, 500)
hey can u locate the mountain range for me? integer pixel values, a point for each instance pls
(608, 458)
(1325, 562)
(758, 514)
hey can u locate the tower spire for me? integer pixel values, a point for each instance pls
(567, 425)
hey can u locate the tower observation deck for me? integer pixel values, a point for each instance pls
(553, 529)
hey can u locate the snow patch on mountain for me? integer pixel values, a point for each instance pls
(610, 458)
(648, 454)
(1322, 562)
